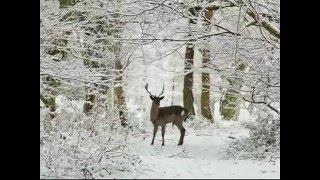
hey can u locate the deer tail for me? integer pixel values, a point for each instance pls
(185, 114)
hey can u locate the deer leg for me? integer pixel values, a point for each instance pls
(163, 129)
(155, 129)
(182, 133)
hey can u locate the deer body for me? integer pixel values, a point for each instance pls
(164, 115)
(160, 116)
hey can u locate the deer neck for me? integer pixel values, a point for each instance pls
(154, 112)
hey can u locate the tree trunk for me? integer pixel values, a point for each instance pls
(118, 90)
(205, 77)
(49, 102)
(172, 90)
(230, 103)
(50, 93)
(188, 79)
(229, 106)
(67, 3)
(205, 93)
(90, 99)
(188, 66)
(119, 93)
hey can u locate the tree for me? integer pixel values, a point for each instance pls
(118, 87)
(256, 59)
(49, 94)
(231, 100)
(58, 52)
(188, 99)
(205, 77)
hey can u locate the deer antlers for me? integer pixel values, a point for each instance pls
(146, 87)
(161, 91)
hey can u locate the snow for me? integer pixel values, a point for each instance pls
(215, 150)
(206, 152)
(199, 156)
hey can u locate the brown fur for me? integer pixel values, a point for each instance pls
(160, 116)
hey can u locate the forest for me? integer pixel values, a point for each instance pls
(103, 64)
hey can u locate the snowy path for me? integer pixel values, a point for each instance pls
(198, 157)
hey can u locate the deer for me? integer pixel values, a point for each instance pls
(160, 116)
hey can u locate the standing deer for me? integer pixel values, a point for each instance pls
(160, 116)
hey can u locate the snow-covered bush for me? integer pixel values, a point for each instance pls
(263, 142)
(80, 146)
(197, 122)
(265, 136)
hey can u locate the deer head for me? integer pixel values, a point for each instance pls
(155, 99)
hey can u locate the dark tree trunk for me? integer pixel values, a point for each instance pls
(205, 93)
(188, 79)
(119, 93)
(205, 77)
(188, 67)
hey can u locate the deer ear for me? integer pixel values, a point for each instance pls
(151, 97)
(161, 97)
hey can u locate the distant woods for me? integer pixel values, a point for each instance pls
(90, 45)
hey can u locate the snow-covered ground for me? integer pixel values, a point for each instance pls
(208, 151)
(200, 156)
